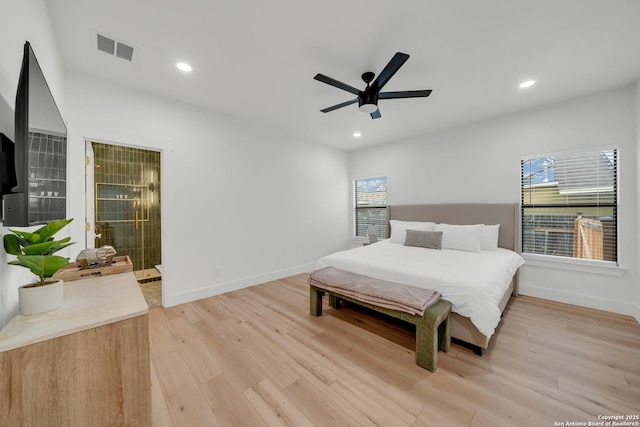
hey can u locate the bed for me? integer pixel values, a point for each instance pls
(478, 283)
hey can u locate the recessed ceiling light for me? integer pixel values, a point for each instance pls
(183, 66)
(357, 134)
(527, 84)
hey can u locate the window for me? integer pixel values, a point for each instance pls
(371, 205)
(569, 205)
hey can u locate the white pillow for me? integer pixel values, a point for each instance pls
(489, 237)
(399, 229)
(461, 237)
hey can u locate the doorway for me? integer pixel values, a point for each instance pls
(123, 209)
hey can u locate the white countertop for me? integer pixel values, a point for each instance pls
(88, 303)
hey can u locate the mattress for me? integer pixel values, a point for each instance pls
(474, 282)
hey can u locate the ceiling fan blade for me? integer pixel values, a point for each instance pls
(335, 107)
(333, 82)
(389, 70)
(405, 94)
(376, 114)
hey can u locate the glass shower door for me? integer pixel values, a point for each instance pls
(127, 206)
(121, 211)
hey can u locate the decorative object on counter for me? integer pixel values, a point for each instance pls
(34, 250)
(95, 258)
(119, 264)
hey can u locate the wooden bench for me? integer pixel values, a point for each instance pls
(432, 329)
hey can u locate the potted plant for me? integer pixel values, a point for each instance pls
(34, 250)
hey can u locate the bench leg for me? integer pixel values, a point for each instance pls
(444, 335)
(334, 301)
(427, 345)
(433, 333)
(315, 301)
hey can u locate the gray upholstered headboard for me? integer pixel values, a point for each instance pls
(505, 214)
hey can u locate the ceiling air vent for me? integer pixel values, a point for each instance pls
(113, 47)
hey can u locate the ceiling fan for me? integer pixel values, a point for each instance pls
(367, 99)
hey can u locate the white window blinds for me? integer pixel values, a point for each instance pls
(371, 205)
(569, 205)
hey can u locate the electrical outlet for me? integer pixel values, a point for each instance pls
(329, 251)
(218, 271)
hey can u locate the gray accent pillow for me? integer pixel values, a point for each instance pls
(424, 239)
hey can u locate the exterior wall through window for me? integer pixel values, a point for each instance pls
(569, 205)
(371, 206)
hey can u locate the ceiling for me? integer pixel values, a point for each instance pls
(256, 59)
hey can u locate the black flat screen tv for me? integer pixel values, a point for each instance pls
(7, 164)
(40, 192)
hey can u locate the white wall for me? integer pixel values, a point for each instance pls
(480, 162)
(23, 21)
(638, 182)
(248, 199)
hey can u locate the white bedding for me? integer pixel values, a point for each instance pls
(474, 282)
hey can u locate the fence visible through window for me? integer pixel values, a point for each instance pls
(569, 205)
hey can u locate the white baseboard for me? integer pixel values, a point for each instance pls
(589, 301)
(221, 288)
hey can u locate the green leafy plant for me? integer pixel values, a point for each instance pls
(35, 250)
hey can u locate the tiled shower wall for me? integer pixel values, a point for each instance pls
(128, 180)
(47, 177)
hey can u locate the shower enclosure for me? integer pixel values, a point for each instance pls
(125, 214)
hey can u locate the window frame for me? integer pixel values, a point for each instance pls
(607, 267)
(355, 207)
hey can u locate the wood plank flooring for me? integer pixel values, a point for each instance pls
(256, 357)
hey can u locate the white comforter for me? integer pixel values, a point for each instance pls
(474, 282)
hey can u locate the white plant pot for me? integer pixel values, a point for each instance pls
(34, 300)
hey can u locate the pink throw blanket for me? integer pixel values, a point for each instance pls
(374, 291)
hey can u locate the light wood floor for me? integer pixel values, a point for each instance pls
(255, 357)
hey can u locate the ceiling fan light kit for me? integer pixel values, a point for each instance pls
(368, 108)
(367, 99)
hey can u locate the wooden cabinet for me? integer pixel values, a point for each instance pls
(85, 364)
